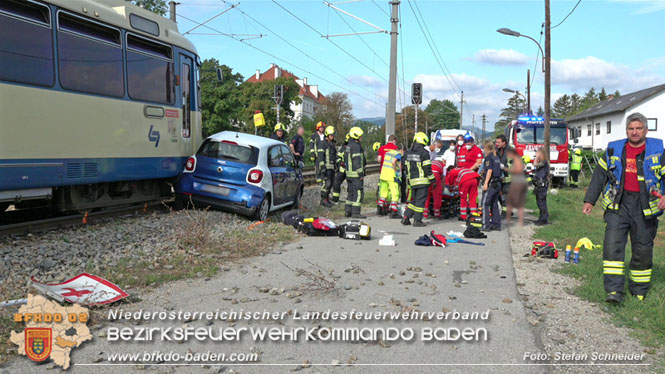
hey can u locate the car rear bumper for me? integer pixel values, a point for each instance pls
(237, 199)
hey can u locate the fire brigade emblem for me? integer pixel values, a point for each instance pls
(38, 343)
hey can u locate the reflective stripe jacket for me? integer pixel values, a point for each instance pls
(340, 157)
(354, 159)
(650, 170)
(388, 172)
(418, 166)
(329, 154)
(576, 162)
(315, 143)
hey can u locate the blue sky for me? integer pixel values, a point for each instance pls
(616, 44)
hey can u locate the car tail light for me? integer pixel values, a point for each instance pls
(190, 165)
(229, 142)
(255, 176)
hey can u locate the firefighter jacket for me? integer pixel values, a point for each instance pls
(315, 143)
(354, 159)
(419, 166)
(575, 162)
(388, 172)
(608, 177)
(339, 161)
(329, 155)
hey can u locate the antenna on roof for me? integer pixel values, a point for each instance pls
(236, 135)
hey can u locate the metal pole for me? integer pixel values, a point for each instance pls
(484, 120)
(461, 111)
(172, 5)
(392, 84)
(416, 121)
(528, 91)
(547, 78)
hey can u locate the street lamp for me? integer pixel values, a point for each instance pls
(509, 32)
(518, 93)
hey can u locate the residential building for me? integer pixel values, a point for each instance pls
(312, 100)
(606, 121)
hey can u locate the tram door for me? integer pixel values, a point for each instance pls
(188, 101)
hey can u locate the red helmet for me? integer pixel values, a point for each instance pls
(319, 125)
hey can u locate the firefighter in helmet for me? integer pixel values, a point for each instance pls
(314, 146)
(280, 133)
(354, 164)
(340, 175)
(419, 171)
(575, 167)
(327, 165)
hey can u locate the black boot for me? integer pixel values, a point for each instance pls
(614, 298)
(358, 216)
(406, 221)
(347, 210)
(419, 224)
(326, 203)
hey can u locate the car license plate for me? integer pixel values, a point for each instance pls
(215, 189)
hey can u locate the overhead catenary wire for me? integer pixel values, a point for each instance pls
(307, 55)
(328, 39)
(535, 65)
(345, 89)
(566, 17)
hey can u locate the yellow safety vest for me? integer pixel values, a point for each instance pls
(388, 172)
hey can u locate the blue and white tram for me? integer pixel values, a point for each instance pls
(99, 103)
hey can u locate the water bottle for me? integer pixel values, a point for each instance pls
(567, 258)
(576, 257)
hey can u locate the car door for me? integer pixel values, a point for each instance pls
(290, 174)
(278, 172)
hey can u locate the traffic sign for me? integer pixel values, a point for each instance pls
(416, 93)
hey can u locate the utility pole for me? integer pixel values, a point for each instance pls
(392, 81)
(548, 60)
(172, 5)
(528, 91)
(415, 123)
(483, 133)
(461, 111)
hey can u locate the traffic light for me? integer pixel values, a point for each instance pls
(417, 93)
(279, 94)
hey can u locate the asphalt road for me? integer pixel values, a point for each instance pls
(368, 278)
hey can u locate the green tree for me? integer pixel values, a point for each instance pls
(155, 6)
(617, 93)
(258, 96)
(562, 107)
(220, 101)
(514, 108)
(405, 124)
(589, 99)
(337, 112)
(602, 96)
(540, 112)
(575, 104)
(372, 133)
(442, 114)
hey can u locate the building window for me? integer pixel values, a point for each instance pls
(652, 124)
(90, 57)
(598, 128)
(588, 130)
(26, 45)
(609, 127)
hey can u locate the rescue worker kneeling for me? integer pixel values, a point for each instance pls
(354, 164)
(466, 182)
(389, 180)
(327, 165)
(419, 171)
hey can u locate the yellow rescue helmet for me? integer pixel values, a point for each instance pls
(319, 125)
(356, 132)
(421, 138)
(578, 151)
(330, 130)
(526, 159)
(279, 127)
(376, 146)
(348, 136)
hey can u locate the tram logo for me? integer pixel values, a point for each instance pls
(153, 136)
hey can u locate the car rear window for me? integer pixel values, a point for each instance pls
(230, 151)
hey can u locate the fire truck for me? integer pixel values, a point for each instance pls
(527, 134)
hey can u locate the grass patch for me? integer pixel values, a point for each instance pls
(647, 318)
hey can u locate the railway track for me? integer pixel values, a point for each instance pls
(30, 225)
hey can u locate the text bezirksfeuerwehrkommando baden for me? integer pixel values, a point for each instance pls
(296, 315)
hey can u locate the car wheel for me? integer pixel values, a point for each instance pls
(296, 201)
(263, 209)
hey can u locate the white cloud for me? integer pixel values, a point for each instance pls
(645, 6)
(587, 72)
(500, 57)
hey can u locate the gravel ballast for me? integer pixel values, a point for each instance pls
(565, 323)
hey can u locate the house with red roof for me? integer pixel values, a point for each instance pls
(312, 100)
